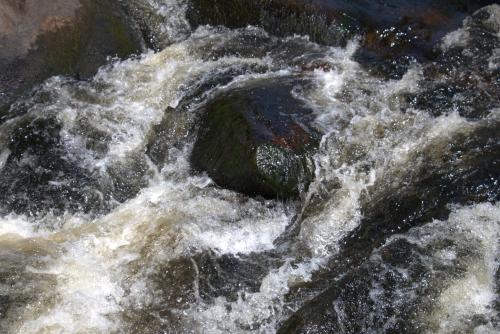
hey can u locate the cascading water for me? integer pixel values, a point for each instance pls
(98, 237)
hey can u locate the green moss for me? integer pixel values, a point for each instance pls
(282, 170)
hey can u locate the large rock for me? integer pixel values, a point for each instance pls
(256, 139)
(461, 171)
(401, 286)
(464, 75)
(42, 38)
(394, 32)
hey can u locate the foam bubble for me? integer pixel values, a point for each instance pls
(15, 225)
(474, 294)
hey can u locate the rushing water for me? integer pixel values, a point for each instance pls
(97, 236)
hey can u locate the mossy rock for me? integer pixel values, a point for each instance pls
(257, 140)
(72, 38)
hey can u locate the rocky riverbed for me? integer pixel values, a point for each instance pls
(281, 166)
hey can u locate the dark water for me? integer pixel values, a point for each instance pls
(106, 228)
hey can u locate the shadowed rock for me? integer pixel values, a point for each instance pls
(394, 33)
(278, 17)
(40, 39)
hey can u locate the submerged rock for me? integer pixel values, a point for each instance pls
(462, 170)
(40, 39)
(403, 32)
(464, 76)
(39, 173)
(413, 282)
(278, 17)
(379, 281)
(257, 139)
(202, 277)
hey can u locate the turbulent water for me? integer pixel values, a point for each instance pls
(99, 236)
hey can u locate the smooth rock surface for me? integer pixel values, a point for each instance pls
(257, 139)
(40, 39)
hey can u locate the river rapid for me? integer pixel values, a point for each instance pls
(98, 236)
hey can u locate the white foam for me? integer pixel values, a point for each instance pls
(127, 98)
(493, 21)
(367, 138)
(166, 221)
(258, 312)
(4, 155)
(494, 61)
(18, 226)
(175, 26)
(88, 294)
(457, 38)
(475, 293)
(242, 237)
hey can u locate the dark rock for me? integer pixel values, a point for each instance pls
(463, 170)
(395, 33)
(229, 276)
(176, 126)
(394, 290)
(44, 38)
(257, 139)
(278, 17)
(464, 76)
(399, 33)
(40, 174)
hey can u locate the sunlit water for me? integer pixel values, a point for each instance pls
(128, 259)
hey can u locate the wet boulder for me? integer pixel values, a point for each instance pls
(464, 76)
(40, 39)
(41, 173)
(393, 33)
(257, 139)
(401, 286)
(38, 175)
(397, 33)
(461, 170)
